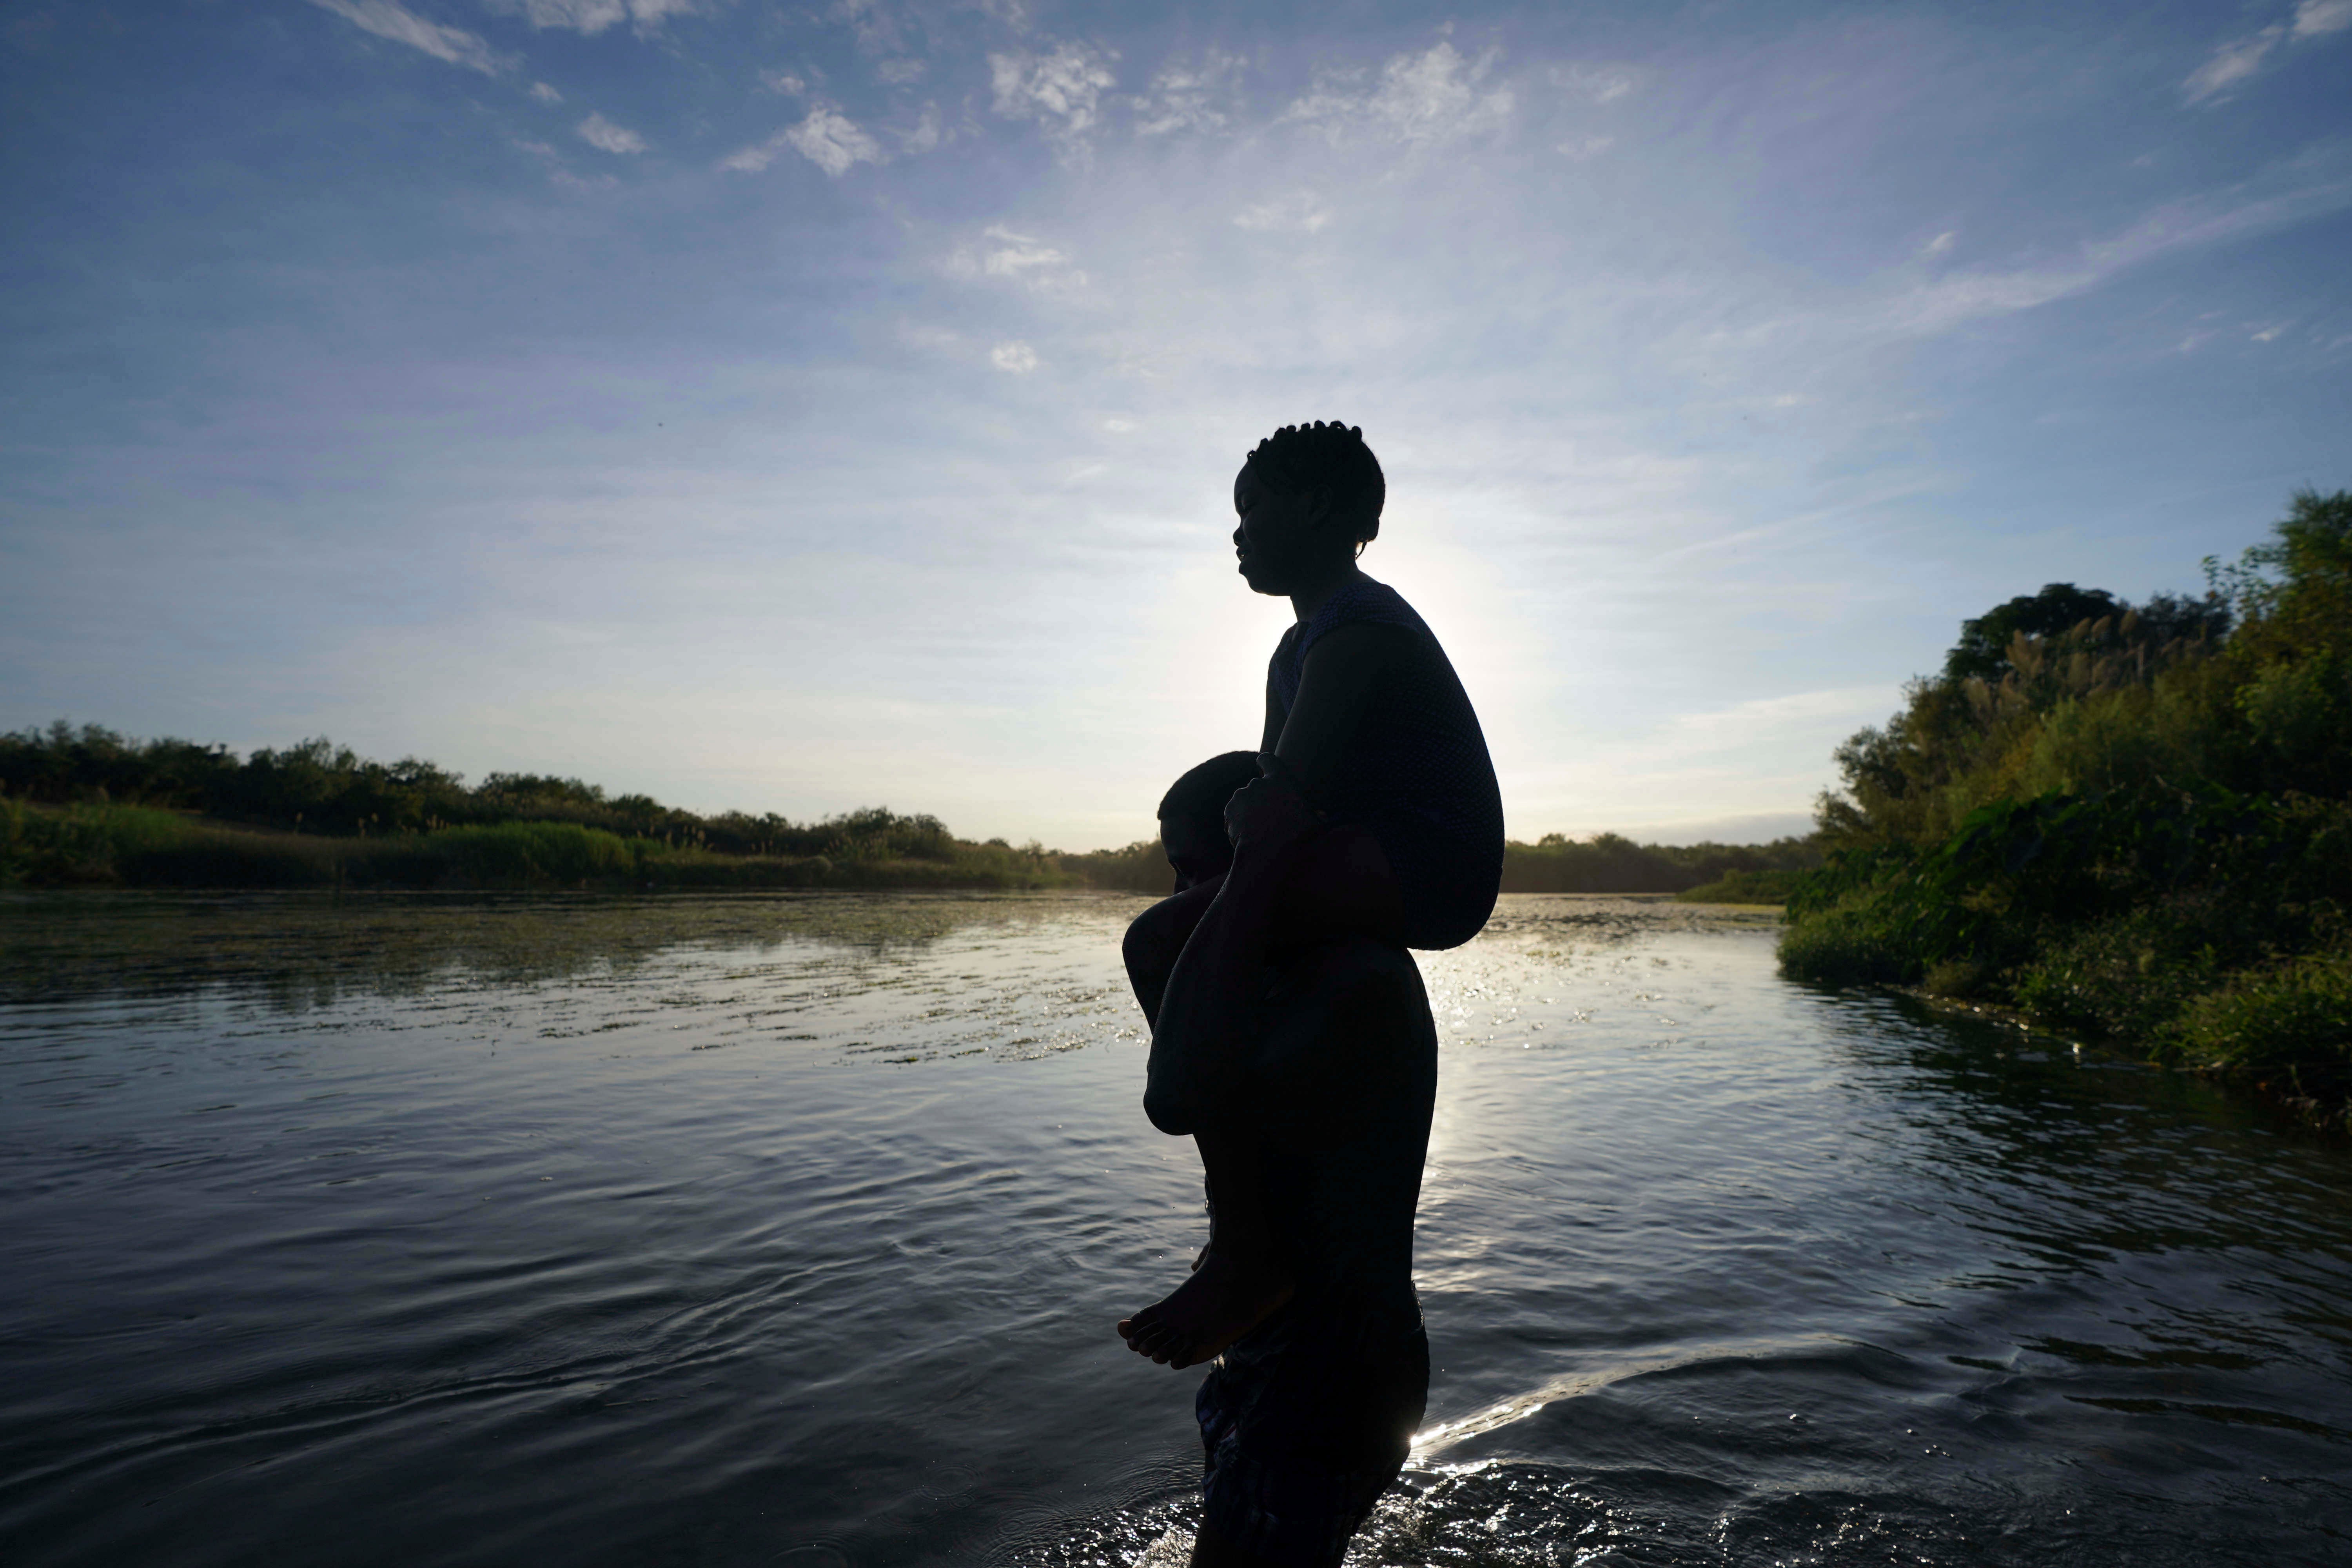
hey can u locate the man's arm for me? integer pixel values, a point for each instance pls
(1335, 688)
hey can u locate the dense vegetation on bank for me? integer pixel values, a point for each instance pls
(2134, 822)
(88, 807)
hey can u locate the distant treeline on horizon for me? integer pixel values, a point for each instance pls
(89, 806)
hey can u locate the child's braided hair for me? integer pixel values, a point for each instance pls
(1326, 456)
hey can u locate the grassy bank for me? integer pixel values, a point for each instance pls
(1769, 886)
(2137, 827)
(141, 846)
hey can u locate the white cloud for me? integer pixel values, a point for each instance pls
(592, 16)
(1420, 99)
(1017, 257)
(926, 134)
(831, 141)
(827, 138)
(544, 93)
(784, 82)
(1601, 84)
(606, 136)
(1061, 90)
(1951, 300)
(1017, 254)
(2313, 17)
(1181, 97)
(1586, 147)
(1015, 356)
(2238, 60)
(752, 159)
(1941, 244)
(2231, 63)
(2268, 333)
(390, 19)
(1300, 214)
(899, 72)
(1119, 427)
(922, 335)
(876, 28)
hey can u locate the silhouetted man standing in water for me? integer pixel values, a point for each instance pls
(1308, 1414)
(1290, 1036)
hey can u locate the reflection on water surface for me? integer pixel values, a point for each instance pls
(759, 1229)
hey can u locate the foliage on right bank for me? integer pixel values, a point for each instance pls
(2130, 821)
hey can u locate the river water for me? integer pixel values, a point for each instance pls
(417, 1229)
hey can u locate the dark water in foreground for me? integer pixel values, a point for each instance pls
(790, 1231)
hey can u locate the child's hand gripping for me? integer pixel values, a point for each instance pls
(1272, 811)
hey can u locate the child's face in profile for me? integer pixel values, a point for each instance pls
(1198, 850)
(1282, 538)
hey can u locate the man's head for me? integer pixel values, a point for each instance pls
(1192, 817)
(1309, 498)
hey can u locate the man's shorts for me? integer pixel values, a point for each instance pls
(1303, 1430)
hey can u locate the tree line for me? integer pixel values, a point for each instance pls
(115, 793)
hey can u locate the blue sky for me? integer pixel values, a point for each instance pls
(799, 407)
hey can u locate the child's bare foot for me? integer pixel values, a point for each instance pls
(1224, 1299)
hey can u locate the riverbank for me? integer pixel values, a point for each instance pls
(138, 847)
(98, 844)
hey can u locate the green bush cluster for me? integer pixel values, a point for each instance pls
(2139, 824)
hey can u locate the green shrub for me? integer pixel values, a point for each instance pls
(521, 854)
(215, 858)
(2126, 977)
(2293, 1017)
(84, 843)
(1863, 939)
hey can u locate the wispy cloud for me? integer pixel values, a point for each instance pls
(924, 135)
(1015, 258)
(1912, 306)
(832, 140)
(592, 16)
(1186, 97)
(1417, 99)
(544, 93)
(1061, 90)
(390, 19)
(2238, 61)
(603, 134)
(1601, 84)
(1300, 214)
(2313, 17)
(827, 138)
(1016, 357)
(875, 26)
